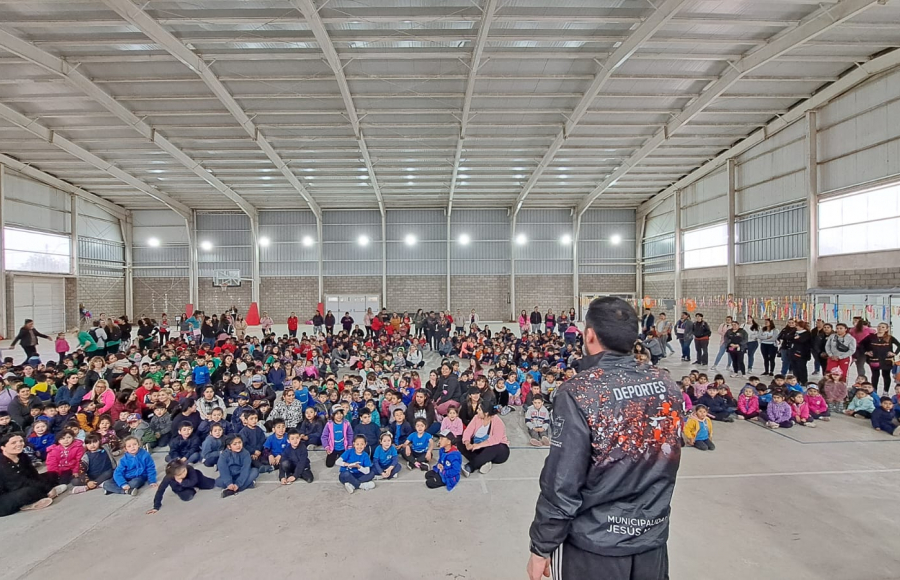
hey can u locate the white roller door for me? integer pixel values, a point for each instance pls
(42, 300)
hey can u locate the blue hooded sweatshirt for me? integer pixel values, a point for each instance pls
(138, 465)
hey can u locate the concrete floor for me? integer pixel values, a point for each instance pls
(799, 504)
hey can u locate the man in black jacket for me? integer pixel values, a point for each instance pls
(535, 319)
(28, 336)
(702, 333)
(606, 486)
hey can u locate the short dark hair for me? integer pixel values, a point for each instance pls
(614, 322)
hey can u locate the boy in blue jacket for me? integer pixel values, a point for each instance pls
(212, 446)
(96, 465)
(135, 469)
(243, 405)
(184, 446)
(275, 443)
(448, 468)
(254, 439)
(883, 417)
(236, 471)
(386, 460)
(294, 463)
(400, 428)
(367, 429)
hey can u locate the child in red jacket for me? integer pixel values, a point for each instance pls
(64, 458)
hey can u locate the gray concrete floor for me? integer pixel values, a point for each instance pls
(799, 504)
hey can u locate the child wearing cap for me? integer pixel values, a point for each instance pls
(294, 460)
(336, 436)
(139, 429)
(356, 467)
(448, 469)
(386, 460)
(184, 480)
(698, 429)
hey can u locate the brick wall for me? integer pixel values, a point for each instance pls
(100, 296)
(866, 278)
(771, 286)
(215, 300)
(660, 286)
(488, 295)
(153, 296)
(699, 288)
(370, 285)
(544, 292)
(611, 283)
(279, 296)
(72, 320)
(409, 293)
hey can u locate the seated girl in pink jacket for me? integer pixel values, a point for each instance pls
(800, 411)
(64, 458)
(748, 404)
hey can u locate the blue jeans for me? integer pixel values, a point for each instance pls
(685, 348)
(751, 350)
(192, 458)
(242, 483)
(111, 486)
(722, 350)
(785, 361)
(356, 480)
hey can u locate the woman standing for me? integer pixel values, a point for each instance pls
(880, 349)
(28, 336)
(347, 322)
(736, 339)
(485, 441)
(113, 336)
(524, 323)
(550, 321)
(419, 322)
(329, 322)
(367, 322)
(23, 487)
(240, 327)
(293, 323)
(801, 351)
(473, 320)
(768, 346)
(752, 330)
(163, 329)
(860, 332)
(266, 323)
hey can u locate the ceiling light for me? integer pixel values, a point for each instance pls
(564, 176)
(363, 240)
(410, 240)
(519, 176)
(410, 168)
(615, 239)
(464, 239)
(565, 240)
(206, 246)
(266, 177)
(153, 242)
(264, 242)
(521, 239)
(308, 241)
(518, 169)
(410, 177)
(362, 177)
(463, 176)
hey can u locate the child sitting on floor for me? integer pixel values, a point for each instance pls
(236, 471)
(448, 469)
(356, 466)
(41, 438)
(698, 430)
(418, 447)
(212, 446)
(537, 421)
(717, 408)
(748, 404)
(184, 481)
(835, 391)
(185, 446)
(386, 460)
(800, 411)
(860, 406)
(96, 465)
(818, 408)
(452, 422)
(294, 462)
(778, 414)
(883, 417)
(64, 458)
(135, 469)
(311, 428)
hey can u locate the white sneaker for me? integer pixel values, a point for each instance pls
(79, 489)
(57, 491)
(350, 488)
(378, 477)
(369, 485)
(486, 468)
(810, 424)
(134, 491)
(38, 505)
(772, 425)
(712, 367)
(739, 417)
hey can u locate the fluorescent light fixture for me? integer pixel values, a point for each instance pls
(565, 240)
(521, 239)
(153, 242)
(308, 241)
(464, 239)
(264, 242)
(615, 239)
(363, 240)
(206, 245)
(410, 240)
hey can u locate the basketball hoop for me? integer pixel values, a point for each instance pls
(223, 286)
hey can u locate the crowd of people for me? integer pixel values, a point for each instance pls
(790, 398)
(224, 406)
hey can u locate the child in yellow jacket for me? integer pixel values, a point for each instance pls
(698, 430)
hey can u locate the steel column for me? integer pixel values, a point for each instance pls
(194, 269)
(678, 258)
(576, 227)
(812, 194)
(254, 257)
(448, 260)
(383, 260)
(639, 257)
(320, 254)
(5, 317)
(127, 227)
(73, 230)
(731, 229)
(512, 268)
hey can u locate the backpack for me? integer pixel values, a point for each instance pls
(93, 333)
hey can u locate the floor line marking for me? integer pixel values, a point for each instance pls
(484, 487)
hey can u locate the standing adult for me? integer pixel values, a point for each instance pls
(860, 332)
(535, 319)
(752, 330)
(329, 322)
(702, 333)
(684, 331)
(723, 345)
(524, 323)
(840, 348)
(801, 351)
(114, 336)
(664, 330)
(817, 344)
(21, 486)
(880, 349)
(550, 321)
(606, 487)
(419, 322)
(367, 322)
(347, 322)
(240, 327)
(266, 323)
(735, 340)
(293, 323)
(28, 336)
(648, 322)
(768, 346)
(786, 344)
(474, 320)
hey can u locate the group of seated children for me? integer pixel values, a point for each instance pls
(783, 404)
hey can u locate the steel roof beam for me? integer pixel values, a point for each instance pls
(152, 29)
(641, 34)
(50, 62)
(309, 11)
(819, 22)
(487, 17)
(49, 136)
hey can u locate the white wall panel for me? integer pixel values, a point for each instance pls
(705, 201)
(343, 256)
(32, 204)
(286, 255)
(488, 253)
(544, 253)
(773, 172)
(597, 254)
(163, 224)
(428, 256)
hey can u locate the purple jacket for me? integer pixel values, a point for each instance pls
(328, 436)
(778, 412)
